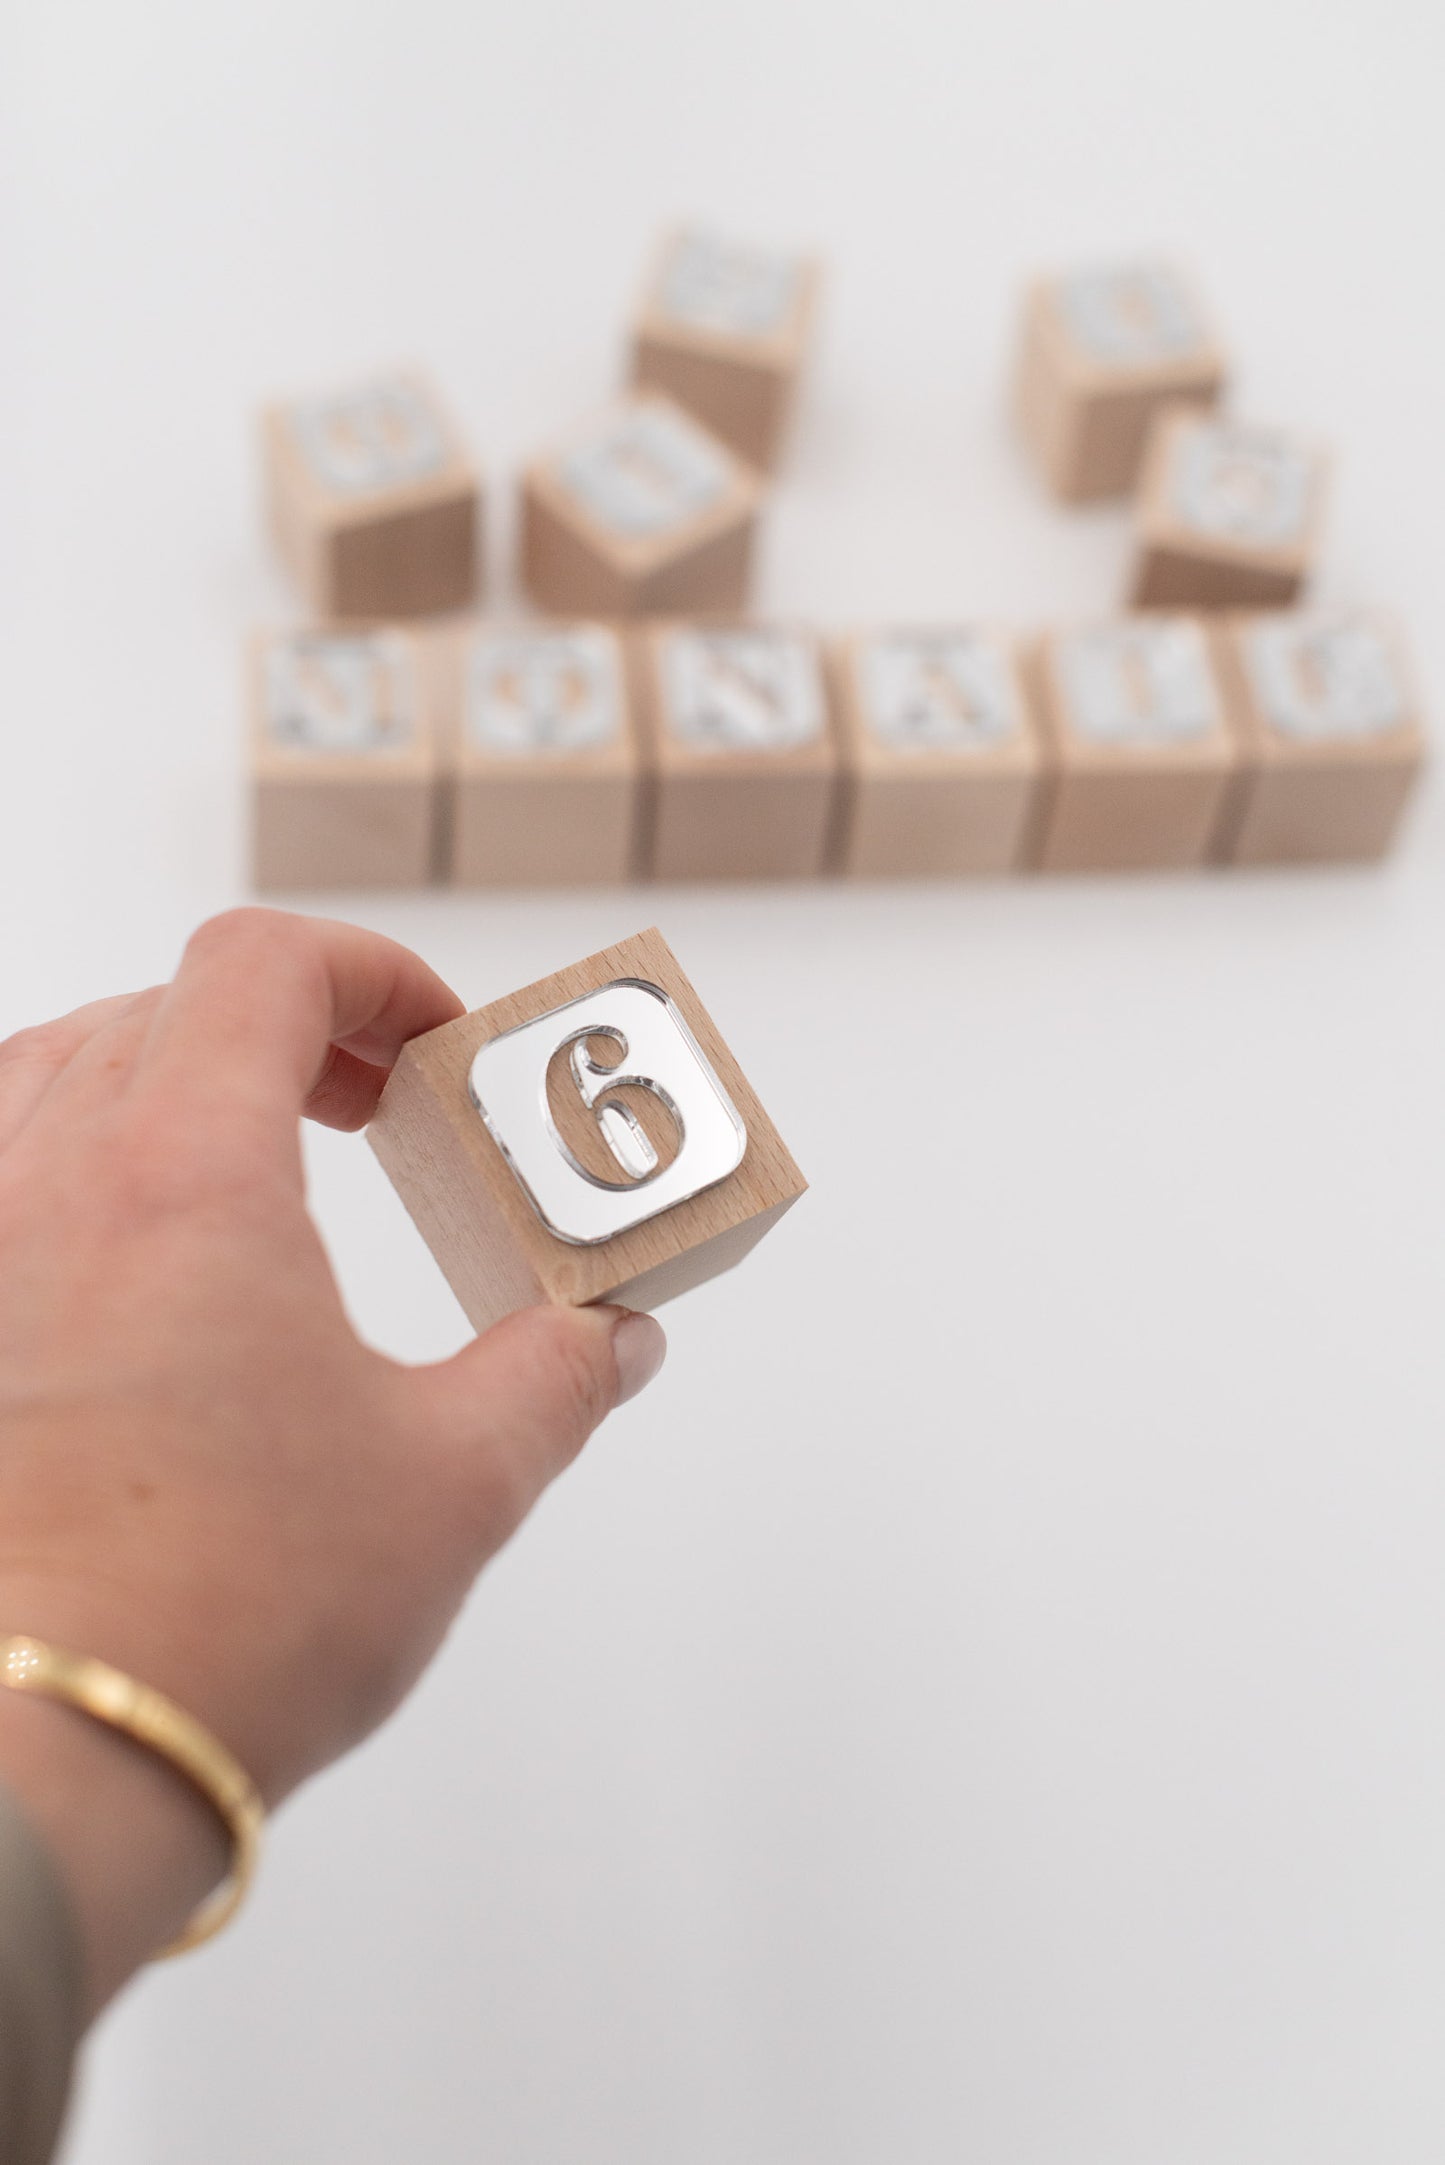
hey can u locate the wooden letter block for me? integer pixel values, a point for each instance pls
(643, 513)
(1100, 354)
(724, 330)
(547, 769)
(741, 752)
(1227, 516)
(1331, 734)
(1142, 748)
(941, 753)
(344, 760)
(588, 1139)
(373, 500)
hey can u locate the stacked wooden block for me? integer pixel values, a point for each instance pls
(651, 731)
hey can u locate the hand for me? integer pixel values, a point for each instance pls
(205, 1478)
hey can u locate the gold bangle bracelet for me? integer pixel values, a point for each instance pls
(110, 1696)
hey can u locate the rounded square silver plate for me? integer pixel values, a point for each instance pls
(659, 1054)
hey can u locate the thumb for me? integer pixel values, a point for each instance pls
(514, 1408)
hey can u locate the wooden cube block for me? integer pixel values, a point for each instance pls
(643, 513)
(1332, 739)
(1141, 744)
(1101, 352)
(742, 754)
(1228, 516)
(588, 1139)
(941, 753)
(547, 767)
(344, 747)
(724, 330)
(373, 500)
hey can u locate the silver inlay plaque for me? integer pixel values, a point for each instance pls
(938, 691)
(540, 693)
(645, 1045)
(644, 471)
(712, 285)
(1147, 681)
(340, 692)
(742, 691)
(1246, 485)
(1134, 316)
(1323, 679)
(382, 435)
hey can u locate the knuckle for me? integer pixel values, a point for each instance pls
(246, 927)
(41, 1044)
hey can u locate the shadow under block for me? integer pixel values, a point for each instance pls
(344, 760)
(741, 752)
(546, 764)
(374, 503)
(1331, 736)
(1141, 748)
(724, 330)
(643, 513)
(1100, 353)
(941, 753)
(1227, 516)
(487, 1213)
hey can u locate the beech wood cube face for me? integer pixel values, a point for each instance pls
(588, 1139)
(344, 760)
(1332, 739)
(724, 330)
(1141, 744)
(1101, 352)
(742, 756)
(373, 500)
(643, 513)
(547, 765)
(941, 753)
(1228, 516)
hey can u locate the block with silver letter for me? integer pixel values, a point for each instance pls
(1142, 748)
(588, 1139)
(546, 772)
(741, 752)
(1228, 516)
(1100, 353)
(724, 330)
(941, 753)
(1332, 738)
(344, 759)
(373, 499)
(644, 512)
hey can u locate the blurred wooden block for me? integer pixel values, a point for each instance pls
(1228, 516)
(547, 770)
(344, 757)
(1333, 743)
(588, 1139)
(742, 755)
(941, 753)
(643, 513)
(1141, 745)
(724, 330)
(373, 500)
(1100, 354)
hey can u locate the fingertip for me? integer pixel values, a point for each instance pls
(639, 1348)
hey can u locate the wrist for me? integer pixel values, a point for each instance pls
(135, 1846)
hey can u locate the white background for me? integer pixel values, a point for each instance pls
(985, 1701)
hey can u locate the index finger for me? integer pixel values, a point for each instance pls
(263, 1000)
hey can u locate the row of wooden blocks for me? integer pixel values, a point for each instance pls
(650, 507)
(591, 753)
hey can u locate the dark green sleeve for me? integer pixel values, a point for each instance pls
(39, 1994)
